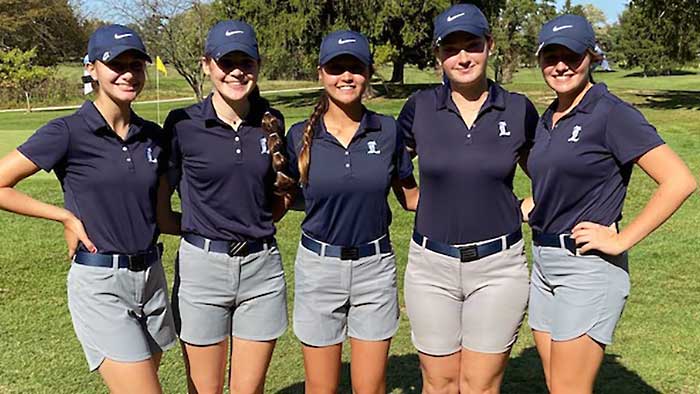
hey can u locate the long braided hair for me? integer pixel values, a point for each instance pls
(275, 144)
(308, 136)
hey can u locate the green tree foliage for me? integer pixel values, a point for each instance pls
(176, 31)
(17, 71)
(657, 36)
(51, 26)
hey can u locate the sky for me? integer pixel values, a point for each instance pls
(612, 8)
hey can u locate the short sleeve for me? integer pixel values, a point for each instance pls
(292, 156)
(402, 160)
(404, 122)
(173, 154)
(628, 134)
(48, 146)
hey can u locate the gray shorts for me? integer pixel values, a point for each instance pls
(575, 295)
(217, 296)
(120, 314)
(478, 305)
(336, 298)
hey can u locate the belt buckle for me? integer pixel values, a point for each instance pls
(349, 253)
(137, 262)
(468, 253)
(562, 244)
(238, 249)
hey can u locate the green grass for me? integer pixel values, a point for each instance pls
(657, 340)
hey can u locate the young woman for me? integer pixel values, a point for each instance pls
(586, 145)
(346, 158)
(229, 286)
(108, 161)
(466, 284)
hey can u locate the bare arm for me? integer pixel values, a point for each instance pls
(15, 167)
(676, 184)
(168, 220)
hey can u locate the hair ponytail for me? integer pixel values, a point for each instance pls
(275, 143)
(308, 136)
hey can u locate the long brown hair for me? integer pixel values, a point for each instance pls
(308, 136)
(270, 124)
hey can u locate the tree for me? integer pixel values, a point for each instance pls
(17, 71)
(53, 27)
(657, 37)
(175, 30)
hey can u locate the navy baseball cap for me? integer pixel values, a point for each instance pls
(571, 31)
(229, 36)
(108, 42)
(460, 17)
(345, 42)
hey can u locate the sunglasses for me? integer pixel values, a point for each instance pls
(230, 63)
(339, 68)
(570, 58)
(476, 45)
(121, 67)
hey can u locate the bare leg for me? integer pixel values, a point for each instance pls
(575, 364)
(440, 373)
(124, 378)
(322, 366)
(249, 363)
(543, 341)
(368, 366)
(482, 373)
(206, 367)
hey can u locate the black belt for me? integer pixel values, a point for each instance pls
(469, 252)
(347, 252)
(134, 262)
(563, 241)
(231, 248)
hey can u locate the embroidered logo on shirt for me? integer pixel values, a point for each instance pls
(263, 146)
(503, 129)
(149, 156)
(372, 148)
(575, 134)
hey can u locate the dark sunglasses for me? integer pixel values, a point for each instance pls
(339, 68)
(570, 58)
(228, 64)
(120, 67)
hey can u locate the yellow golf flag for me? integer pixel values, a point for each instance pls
(160, 66)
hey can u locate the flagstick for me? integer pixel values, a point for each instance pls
(157, 95)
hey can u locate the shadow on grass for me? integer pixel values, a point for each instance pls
(671, 99)
(661, 73)
(310, 98)
(524, 375)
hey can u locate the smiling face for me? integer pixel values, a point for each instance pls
(122, 79)
(463, 57)
(564, 70)
(344, 78)
(234, 75)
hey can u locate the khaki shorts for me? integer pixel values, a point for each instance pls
(478, 305)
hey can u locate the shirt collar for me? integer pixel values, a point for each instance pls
(97, 123)
(254, 116)
(370, 122)
(496, 98)
(587, 104)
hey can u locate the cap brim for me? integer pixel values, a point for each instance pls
(224, 50)
(117, 51)
(333, 55)
(479, 32)
(574, 45)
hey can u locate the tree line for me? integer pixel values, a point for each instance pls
(657, 36)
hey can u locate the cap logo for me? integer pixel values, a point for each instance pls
(453, 17)
(120, 36)
(343, 42)
(229, 33)
(557, 28)
(105, 56)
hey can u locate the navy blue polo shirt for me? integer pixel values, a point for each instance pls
(346, 197)
(466, 174)
(580, 169)
(110, 184)
(224, 176)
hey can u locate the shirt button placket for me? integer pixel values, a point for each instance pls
(128, 159)
(237, 148)
(348, 164)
